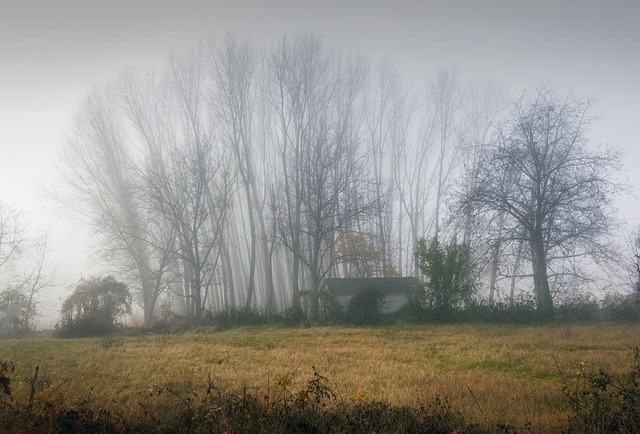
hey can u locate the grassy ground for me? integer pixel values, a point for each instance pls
(490, 373)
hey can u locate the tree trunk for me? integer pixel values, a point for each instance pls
(540, 278)
(252, 260)
(295, 290)
(149, 296)
(516, 266)
(495, 263)
(270, 306)
(314, 294)
(197, 292)
(227, 276)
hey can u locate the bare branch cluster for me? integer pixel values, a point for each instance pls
(538, 185)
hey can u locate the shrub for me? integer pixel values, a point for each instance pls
(235, 317)
(13, 306)
(522, 311)
(585, 309)
(94, 307)
(294, 316)
(602, 402)
(447, 271)
(332, 312)
(6, 369)
(619, 307)
(366, 307)
(168, 321)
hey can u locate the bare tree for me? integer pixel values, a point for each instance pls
(554, 191)
(323, 170)
(233, 68)
(483, 103)
(445, 98)
(12, 232)
(331, 204)
(296, 68)
(99, 176)
(192, 184)
(34, 277)
(428, 157)
(194, 199)
(636, 260)
(383, 105)
(24, 271)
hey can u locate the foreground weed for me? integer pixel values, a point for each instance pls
(602, 402)
(317, 394)
(316, 408)
(6, 369)
(40, 411)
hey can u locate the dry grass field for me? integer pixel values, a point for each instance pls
(490, 373)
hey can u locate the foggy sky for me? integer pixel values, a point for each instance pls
(53, 52)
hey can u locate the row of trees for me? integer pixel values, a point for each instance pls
(242, 178)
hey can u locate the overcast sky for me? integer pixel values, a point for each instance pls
(53, 52)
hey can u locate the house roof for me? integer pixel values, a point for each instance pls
(388, 285)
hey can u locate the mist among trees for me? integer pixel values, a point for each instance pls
(26, 271)
(240, 178)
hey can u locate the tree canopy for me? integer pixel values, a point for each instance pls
(94, 306)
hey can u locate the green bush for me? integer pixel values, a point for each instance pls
(366, 307)
(94, 307)
(447, 271)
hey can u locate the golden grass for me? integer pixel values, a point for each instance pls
(490, 373)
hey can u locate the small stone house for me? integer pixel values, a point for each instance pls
(397, 290)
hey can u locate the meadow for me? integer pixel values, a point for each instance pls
(492, 374)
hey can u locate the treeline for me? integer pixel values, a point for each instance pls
(241, 178)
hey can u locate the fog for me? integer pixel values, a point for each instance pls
(383, 65)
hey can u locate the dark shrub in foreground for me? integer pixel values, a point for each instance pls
(314, 409)
(604, 403)
(600, 403)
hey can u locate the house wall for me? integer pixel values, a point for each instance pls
(343, 300)
(395, 302)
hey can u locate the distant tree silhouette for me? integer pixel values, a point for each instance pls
(94, 307)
